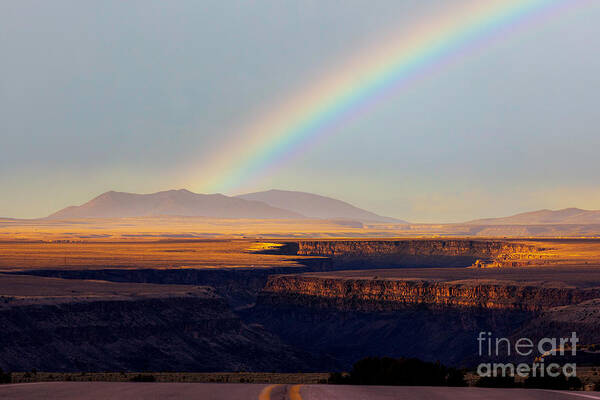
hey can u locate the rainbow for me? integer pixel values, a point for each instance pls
(363, 81)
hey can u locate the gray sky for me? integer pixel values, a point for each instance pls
(131, 96)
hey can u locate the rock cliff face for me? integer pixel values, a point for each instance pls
(389, 295)
(426, 252)
(448, 247)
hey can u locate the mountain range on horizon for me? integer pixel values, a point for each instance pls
(171, 202)
(544, 217)
(279, 204)
(272, 204)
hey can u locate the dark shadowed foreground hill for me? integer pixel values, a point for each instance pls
(54, 324)
(564, 216)
(172, 202)
(315, 206)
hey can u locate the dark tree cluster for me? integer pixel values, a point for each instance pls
(399, 372)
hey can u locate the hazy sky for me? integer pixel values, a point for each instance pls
(133, 95)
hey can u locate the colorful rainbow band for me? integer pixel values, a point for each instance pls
(362, 82)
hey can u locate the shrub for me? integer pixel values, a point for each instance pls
(5, 377)
(143, 378)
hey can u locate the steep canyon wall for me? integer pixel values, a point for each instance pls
(422, 252)
(391, 294)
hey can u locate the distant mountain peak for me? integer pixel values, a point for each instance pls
(316, 206)
(273, 203)
(179, 202)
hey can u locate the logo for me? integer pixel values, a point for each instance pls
(503, 348)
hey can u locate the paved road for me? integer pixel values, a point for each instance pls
(218, 391)
(332, 392)
(129, 391)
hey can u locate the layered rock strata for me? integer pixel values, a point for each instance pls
(394, 294)
(423, 252)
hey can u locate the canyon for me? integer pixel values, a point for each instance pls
(435, 314)
(285, 305)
